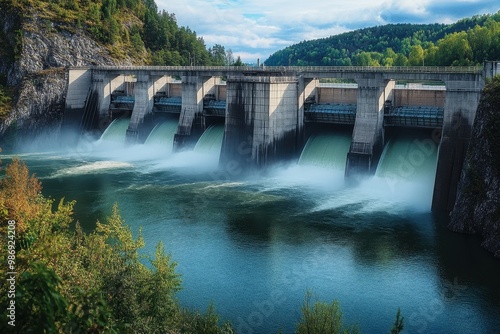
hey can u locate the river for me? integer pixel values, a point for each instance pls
(253, 244)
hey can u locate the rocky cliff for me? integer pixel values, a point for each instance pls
(34, 65)
(477, 208)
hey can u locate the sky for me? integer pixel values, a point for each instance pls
(254, 29)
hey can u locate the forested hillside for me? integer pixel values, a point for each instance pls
(40, 38)
(128, 28)
(468, 42)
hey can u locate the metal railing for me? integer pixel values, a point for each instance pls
(383, 69)
(415, 116)
(340, 118)
(296, 69)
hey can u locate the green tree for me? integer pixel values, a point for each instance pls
(137, 43)
(363, 59)
(345, 62)
(160, 306)
(19, 195)
(400, 60)
(207, 323)
(431, 54)
(218, 53)
(111, 30)
(480, 42)
(406, 45)
(416, 57)
(151, 31)
(41, 307)
(108, 8)
(455, 50)
(238, 62)
(494, 27)
(389, 57)
(322, 318)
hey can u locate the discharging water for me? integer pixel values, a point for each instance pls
(163, 135)
(210, 141)
(116, 131)
(326, 150)
(254, 245)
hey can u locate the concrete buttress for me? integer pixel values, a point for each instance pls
(368, 135)
(262, 120)
(194, 88)
(143, 104)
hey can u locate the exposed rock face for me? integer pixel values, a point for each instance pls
(40, 102)
(46, 46)
(38, 71)
(477, 208)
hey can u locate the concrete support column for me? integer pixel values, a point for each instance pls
(368, 135)
(78, 96)
(161, 84)
(461, 102)
(194, 88)
(261, 121)
(491, 68)
(143, 95)
(306, 88)
(221, 92)
(104, 83)
(79, 83)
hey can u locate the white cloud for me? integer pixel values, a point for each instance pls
(416, 7)
(255, 29)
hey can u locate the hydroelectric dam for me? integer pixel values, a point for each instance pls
(262, 115)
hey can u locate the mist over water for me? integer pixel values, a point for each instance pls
(404, 179)
(240, 242)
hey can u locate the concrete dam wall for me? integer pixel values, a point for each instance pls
(264, 111)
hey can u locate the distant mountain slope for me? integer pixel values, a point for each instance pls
(371, 46)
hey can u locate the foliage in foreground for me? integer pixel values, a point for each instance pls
(72, 281)
(326, 318)
(322, 318)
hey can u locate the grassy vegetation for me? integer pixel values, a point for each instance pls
(322, 318)
(5, 101)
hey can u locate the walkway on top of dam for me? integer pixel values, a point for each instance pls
(465, 73)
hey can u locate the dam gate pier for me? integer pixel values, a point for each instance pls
(264, 110)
